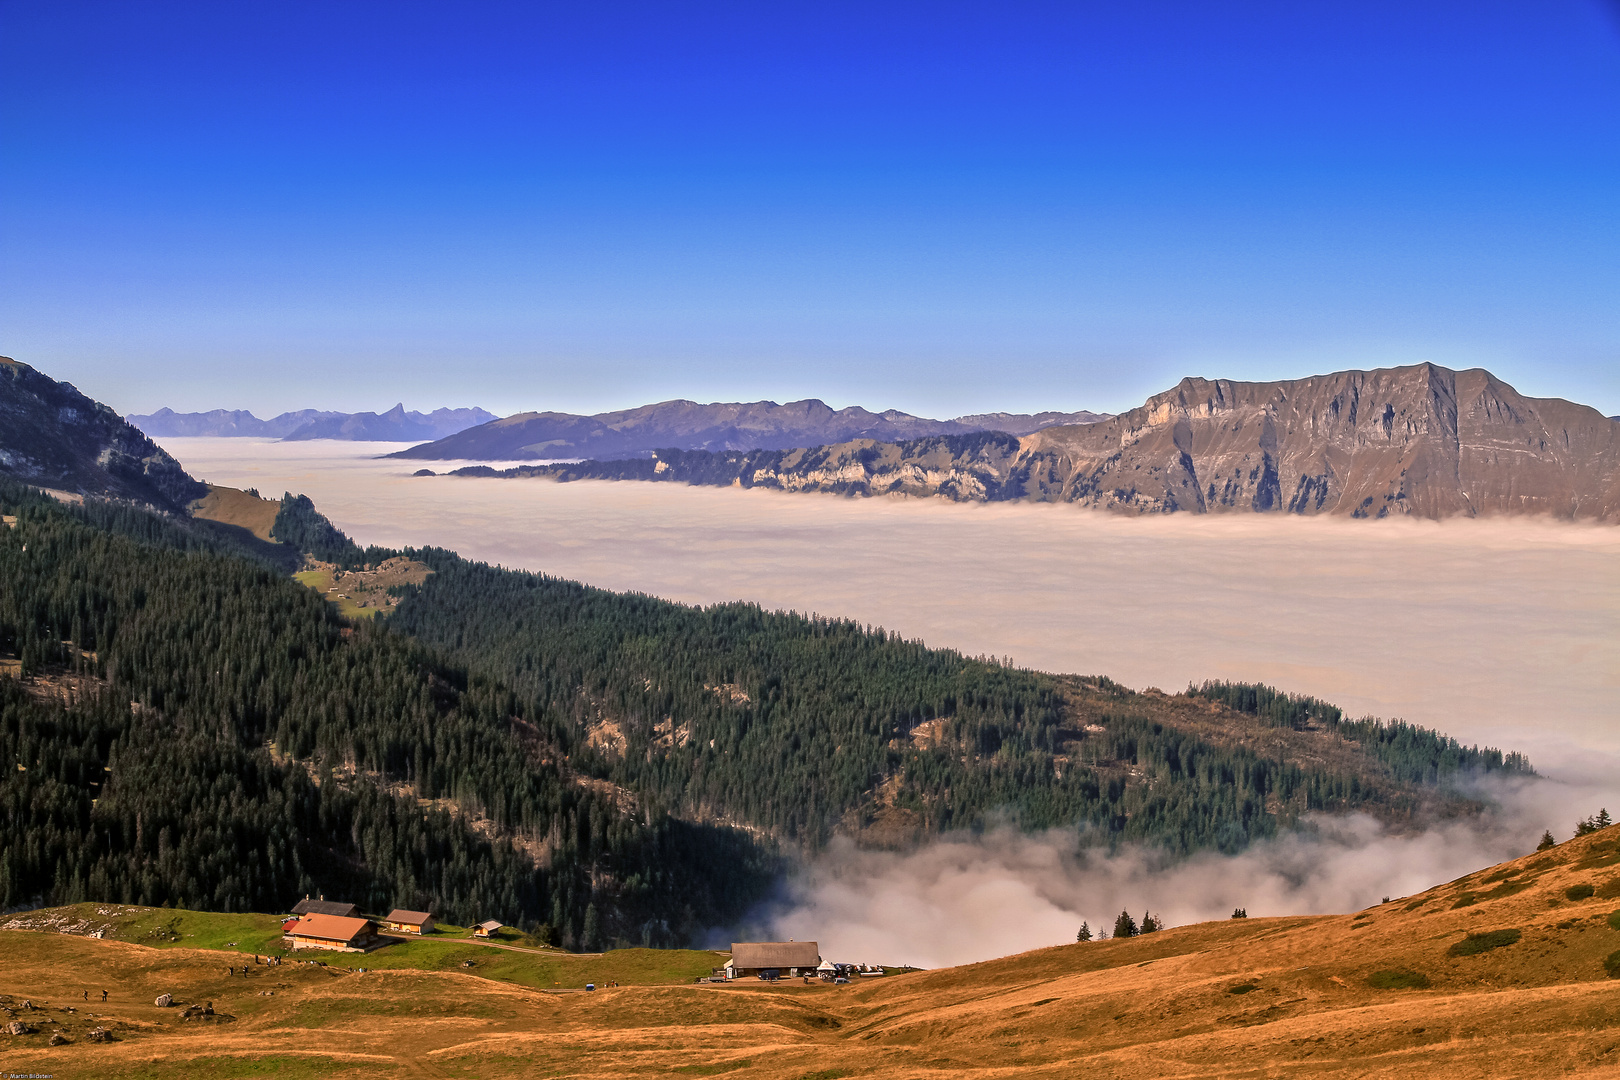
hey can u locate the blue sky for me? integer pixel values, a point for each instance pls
(938, 207)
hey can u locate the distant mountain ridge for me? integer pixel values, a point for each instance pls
(1419, 441)
(719, 426)
(53, 436)
(395, 425)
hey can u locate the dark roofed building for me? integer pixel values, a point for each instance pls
(400, 921)
(786, 957)
(306, 906)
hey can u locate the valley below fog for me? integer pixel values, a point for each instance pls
(1503, 631)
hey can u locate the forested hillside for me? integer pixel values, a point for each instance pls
(197, 729)
(806, 726)
(210, 735)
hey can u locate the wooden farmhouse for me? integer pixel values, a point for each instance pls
(323, 906)
(487, 928)
(400, 921)
(332, 932)
(788, 958)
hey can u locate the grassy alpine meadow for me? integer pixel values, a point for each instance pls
(1381, 992)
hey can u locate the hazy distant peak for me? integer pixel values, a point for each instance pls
(395, 425)
(721, 425)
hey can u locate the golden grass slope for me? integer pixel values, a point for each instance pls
(1295, 997)
(231, 506)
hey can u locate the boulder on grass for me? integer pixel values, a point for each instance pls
(164, 1001)
(59, 1039)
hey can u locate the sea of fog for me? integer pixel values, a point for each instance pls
(1504, 632)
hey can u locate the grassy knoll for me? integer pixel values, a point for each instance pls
(1379, 993)
(232, 506)
(547, 970)
(453, 949)
(321, 581)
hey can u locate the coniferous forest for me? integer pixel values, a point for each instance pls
(603, 767)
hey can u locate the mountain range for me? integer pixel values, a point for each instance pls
(395, 425)
(1418, 441)
(721, 426)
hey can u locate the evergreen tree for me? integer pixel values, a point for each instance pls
(1149, 923)
(1240, 913)
(1125, 925)
(1085, 932)
(1599, 820)
(1547, 841)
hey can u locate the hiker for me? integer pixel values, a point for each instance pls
(104, 995)
(87, 995)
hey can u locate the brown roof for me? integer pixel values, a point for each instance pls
(775, 954)
(490, 925)
(330, 927)
(401, 915)
(306, 906)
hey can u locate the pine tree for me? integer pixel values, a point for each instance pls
(1149, 923)
(1240, 913)
(1125, 926)
(1085, 932)
(1547, 841)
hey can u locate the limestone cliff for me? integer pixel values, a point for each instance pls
(1420, 441)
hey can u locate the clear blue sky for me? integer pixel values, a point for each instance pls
(938, 207)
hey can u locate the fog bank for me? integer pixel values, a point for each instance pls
(1504, 631)
(966, 898)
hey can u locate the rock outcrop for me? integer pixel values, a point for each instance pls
(1420, 441)
(53, 436)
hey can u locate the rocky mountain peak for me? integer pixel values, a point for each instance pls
(53, 436)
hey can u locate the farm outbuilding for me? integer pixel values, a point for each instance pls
(333, 932)
(400, 921)
(487, 928)
(323, 906)
(789, 958)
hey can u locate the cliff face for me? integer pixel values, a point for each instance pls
(1421, 441)
(53, 436)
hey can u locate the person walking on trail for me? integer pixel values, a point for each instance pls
(104, 995)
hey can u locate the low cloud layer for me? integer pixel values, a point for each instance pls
(1504, 631)
(966, 898)
(1501, 631)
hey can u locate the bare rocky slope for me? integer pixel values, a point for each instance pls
(53, 436)
(721, 426)
(1419, 441)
